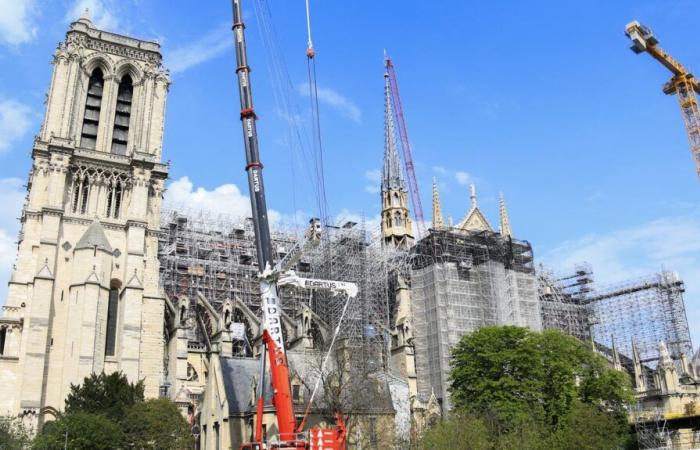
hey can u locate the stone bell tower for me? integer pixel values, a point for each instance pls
(84, 296)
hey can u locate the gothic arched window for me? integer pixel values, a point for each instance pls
(120, 133)
(81, 193)
(115, 193)
(91, 119)
(395, 200)
(3, 336)
(112, 306)
(398, 222)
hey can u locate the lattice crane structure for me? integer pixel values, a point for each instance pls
(405, 147)
(683, 83)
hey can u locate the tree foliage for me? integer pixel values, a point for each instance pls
(513, 371)
(80, 431)
(13, 434)
(156, 424)
(585, 427)
(110, 395)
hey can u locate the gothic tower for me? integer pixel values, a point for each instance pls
(84, 296)
(396, 220)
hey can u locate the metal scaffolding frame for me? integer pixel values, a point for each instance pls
(215, 256)
(563, 301)
(462, 281)
(647, 311)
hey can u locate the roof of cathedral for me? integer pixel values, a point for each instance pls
(94, 237)
(392, 177)
(475, 219)
(239, 375)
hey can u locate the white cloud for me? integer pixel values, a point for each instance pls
(463, 178)
(101, 13)
(12, 195)
(374, 178)
(225, 202)
(15, 120)
(17, 19)
(619, 255)
(337, 101)
(199, 51)
(226, 199)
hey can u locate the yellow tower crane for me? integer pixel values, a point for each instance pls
(682, 83)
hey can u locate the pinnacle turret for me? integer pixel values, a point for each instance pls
(505, 221)
(438, 223)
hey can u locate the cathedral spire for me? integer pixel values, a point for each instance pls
(392, 178)
(437, 210)
(505, 221)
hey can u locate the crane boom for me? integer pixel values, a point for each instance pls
(271, 317)
(405, 146)
(683, 83)
(270, 276)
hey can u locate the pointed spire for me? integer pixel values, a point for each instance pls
(615, 356)
(450, 222)
(639, 378)
(392, 178)
(475, 219)
(437, 209)
(505, 221)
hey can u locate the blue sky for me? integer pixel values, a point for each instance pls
(541, 100)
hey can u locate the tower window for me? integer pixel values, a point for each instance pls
(3, 335)
(120, 133)
(81, 193)
(115, 193)
(91, 120)
(113, 305)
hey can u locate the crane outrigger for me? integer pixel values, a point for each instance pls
(291, 436)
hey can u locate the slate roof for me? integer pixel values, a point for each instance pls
(238, 374)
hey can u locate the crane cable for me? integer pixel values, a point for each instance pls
(297, 136)
(316, 119)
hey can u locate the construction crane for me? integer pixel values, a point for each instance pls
(271, 276)
(405, 145)
(683, 83)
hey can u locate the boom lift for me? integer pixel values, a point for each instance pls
(291, 436)
(682, 83)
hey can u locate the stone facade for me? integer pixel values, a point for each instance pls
(83, 295)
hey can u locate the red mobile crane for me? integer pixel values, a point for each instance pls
(291, 436)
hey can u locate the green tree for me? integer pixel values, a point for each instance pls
(586, 427)
(462, 432)
(513, 371)
(13, 434)
(156, 424)
(110, 395)
(80, 431)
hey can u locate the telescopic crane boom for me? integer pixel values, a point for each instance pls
(683, 83)
(270, 276)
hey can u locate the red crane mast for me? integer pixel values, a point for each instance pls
(405, 146)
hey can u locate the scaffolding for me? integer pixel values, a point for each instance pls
(216, 256)
(462, 281)
(644, 311)
(563, 300)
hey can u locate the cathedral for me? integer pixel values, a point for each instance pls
(101, 285)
